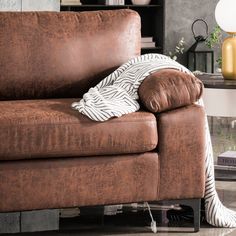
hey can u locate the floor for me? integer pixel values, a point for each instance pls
(134, 225)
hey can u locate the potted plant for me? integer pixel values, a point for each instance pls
(215, 40)
(179, 49)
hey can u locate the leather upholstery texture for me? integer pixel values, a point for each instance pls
(181, 149)
(57, 55)
(51, 156)
(168, 89)
(51, 128)
(71, 182)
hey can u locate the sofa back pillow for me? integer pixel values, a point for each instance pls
(168, 89)
(50, 55)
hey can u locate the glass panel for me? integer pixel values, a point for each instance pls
(201, 62)
(190, 61)
(223, 134)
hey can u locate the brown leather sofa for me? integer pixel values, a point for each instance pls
(52, 156)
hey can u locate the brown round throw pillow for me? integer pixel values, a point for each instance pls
(168, 89)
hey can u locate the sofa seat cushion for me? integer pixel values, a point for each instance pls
(72, 182)
(50, 128)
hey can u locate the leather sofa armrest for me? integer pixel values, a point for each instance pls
(168, 89)
(181, 150)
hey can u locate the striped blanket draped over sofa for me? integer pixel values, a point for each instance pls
(117, 95)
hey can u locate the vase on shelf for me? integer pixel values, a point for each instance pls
(140, 2)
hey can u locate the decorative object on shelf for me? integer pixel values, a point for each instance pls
(147, 42)
(140, 2)
(199, 55)
(179, 49)
(215, 40)
(227, 158)
(226, 19)
(70, 2)
(112, 2)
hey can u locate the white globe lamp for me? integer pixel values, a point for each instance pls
(226, 18)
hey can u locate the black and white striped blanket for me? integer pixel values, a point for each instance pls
(117, 95)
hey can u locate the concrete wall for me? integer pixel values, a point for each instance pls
(180, 15)
(29, 5)
(13, 5)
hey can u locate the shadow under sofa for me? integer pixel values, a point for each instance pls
(53, 157)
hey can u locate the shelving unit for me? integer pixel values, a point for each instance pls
(152, 18)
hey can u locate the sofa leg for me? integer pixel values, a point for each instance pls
(195, 204)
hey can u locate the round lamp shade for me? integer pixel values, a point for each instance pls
(225, 14)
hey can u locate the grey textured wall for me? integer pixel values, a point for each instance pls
(41, 5)
(13, 5)
(180, 15)
(29, 5)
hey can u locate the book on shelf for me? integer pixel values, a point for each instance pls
(121, 2)
(148, 44)
(112, 2)
(70, 2)
(227, 158)
(146, 39)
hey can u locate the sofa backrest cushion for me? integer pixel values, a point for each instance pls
(50, 55)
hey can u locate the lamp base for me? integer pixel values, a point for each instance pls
(229, 57)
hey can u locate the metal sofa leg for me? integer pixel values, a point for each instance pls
(195, 204)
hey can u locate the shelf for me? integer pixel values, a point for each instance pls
(221, 167)
(152, 18)
(225, 173)
(109, 6)
(216, 81)
(152, 48)
(70, 5)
